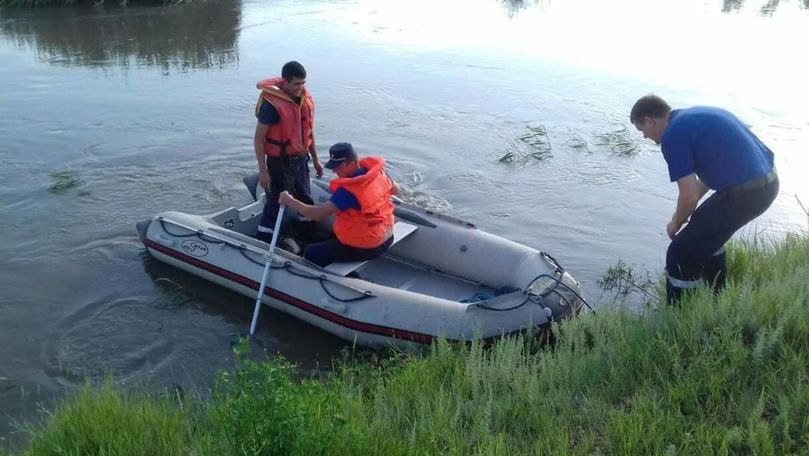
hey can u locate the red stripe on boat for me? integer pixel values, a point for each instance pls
(291, 300)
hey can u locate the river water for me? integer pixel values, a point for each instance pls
(512, 115)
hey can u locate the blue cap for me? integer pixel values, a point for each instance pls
(339, 154)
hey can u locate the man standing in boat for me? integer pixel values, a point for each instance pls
(361, 203)
(284, 135)
(706, 148)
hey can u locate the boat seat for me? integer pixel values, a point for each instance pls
(401, 230)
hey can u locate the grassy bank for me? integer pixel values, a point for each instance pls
(718, 375)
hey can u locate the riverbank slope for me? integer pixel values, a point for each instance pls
(716, 375)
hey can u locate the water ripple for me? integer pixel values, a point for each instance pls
(114, 335)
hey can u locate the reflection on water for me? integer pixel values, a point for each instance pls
(195, 35)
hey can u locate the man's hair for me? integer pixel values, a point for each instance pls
(649, 106)
(293, 69)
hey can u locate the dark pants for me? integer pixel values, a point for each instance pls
(288, 173)
(327, 252)
(697, 252)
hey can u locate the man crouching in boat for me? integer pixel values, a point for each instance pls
(361, 203)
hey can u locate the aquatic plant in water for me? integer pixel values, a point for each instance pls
(618, 142)
(577, 142)
(623, 280)
(534, 144)
(63, 181)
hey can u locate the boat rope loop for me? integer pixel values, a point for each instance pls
(494, 309)
(537, 298)
(323, 279)
(287, 265)
(557, 282)
(197, 233)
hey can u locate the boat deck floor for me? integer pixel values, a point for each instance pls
(395, 273)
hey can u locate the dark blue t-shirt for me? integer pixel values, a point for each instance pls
(715, 145)
(344, 199)
(267, 114)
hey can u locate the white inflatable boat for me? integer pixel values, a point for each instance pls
(442, 277)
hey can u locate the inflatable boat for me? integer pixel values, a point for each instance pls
(442, 277)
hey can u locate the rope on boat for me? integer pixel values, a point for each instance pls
(322, 279)
(557, 282)
(287, 265)
(538, 298)
(493, 309)
(561, 271)
(197, 233)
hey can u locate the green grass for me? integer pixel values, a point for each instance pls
(104, 421)
(716, 376)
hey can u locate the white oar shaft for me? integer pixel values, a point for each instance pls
(267, 268)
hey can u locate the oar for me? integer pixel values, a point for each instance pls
(267, 268)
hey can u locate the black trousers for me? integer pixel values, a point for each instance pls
(327, 252)
(290, 174)
(697, 251)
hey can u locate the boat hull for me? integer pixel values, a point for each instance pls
(401, 298)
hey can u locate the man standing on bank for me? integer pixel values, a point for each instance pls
(284, 135)
(361, 203)
(706, 148)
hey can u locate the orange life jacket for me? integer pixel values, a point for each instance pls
(293, 134)
(372, 224)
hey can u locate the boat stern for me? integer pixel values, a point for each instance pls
(560, 293)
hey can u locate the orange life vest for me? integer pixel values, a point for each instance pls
(372, 224)
(293, 134)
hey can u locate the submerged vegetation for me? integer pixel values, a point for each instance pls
(63, 181)
(623, 281)
(725, 374)
(533, 144)
(619, 141)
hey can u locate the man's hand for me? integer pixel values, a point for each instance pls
(690, 190)
(285, 199)
(318, 167)
(672, 228)
(264, 180)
